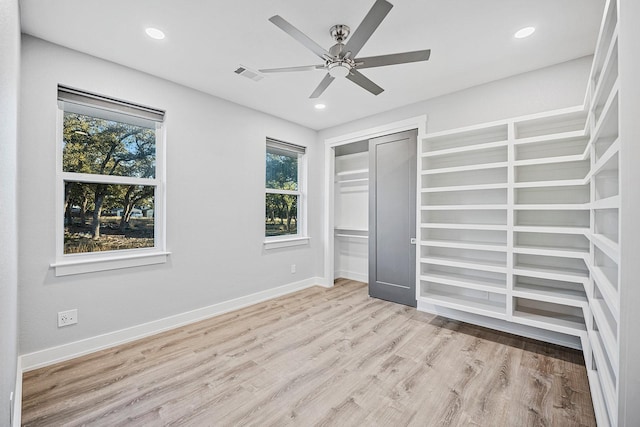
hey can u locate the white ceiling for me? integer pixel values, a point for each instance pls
(471, 43)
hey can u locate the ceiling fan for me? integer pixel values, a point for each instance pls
(340, 60)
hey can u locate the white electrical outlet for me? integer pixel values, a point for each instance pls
(66, 318)
(293, 268)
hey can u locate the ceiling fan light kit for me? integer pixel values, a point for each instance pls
(341, 59)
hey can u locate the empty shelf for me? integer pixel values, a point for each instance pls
(466, 281)
(564, 274)
(564, 323)
(547, 229)
(466, 263)
(606, 245)
(465, 245)
(474, 187)
(465, 168)
(550, 251)
(465, 303)
(462, 207)
(465, 148)
(556, 183)
(458, 226)
(570, 297)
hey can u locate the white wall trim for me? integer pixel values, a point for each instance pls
(352, 275)
(49, 356)
(17, 396)
(418, 122)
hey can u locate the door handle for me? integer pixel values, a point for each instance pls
(413, 240)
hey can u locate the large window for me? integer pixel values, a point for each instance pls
(284, 198)
(110, 181)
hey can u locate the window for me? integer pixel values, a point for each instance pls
(110, 184)
(285, 198)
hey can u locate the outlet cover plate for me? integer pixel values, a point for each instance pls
(66, 318)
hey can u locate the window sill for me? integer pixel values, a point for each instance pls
(285, 242)
(103, 263)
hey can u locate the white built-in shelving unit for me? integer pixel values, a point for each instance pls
(504, 223)
(351, 204)
(604, 229)
(520, 224)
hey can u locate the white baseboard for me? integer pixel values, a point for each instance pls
(17, 397)
(324, 282)
(352, 275)
(71, 350)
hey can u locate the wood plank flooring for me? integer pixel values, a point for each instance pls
(317, 357)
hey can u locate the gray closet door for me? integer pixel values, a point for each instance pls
(392, 217)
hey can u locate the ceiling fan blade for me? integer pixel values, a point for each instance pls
(322, 86)
(288, 69)
(285, 26)
(359, 79)
(378, 12)
(395, 58)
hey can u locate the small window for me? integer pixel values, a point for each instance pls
(284, 199)
(111, 182)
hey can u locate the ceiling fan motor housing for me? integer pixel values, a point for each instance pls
(340, 32)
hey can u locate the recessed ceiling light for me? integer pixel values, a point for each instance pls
(154, 33)
(524, 32)
(320, 106)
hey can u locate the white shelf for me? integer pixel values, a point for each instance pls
(606, 245)
(609, 108)
(603, 161)
(464, 245)
(556, 183)
(598, 93)
(474, 187)
(608, 339)
(464, 149)
(606, 288)
(553, 207)
(554, 295)
(606, 382)
(551, 273)
(550, 251)
(612, 202)
(550, 137)
(475, 167)
(462, 207)
(353, 172)
(454, 226)
(466, 281)
(346, 181)
(465, 263)
(552, 321)
(465, 303)
(551, 230)
(549, 160)
(597, 397)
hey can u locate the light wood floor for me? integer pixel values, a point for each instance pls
(317, 357)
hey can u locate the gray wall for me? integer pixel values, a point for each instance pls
(214, 147)
(9, 83)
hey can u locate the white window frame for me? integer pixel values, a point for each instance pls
(301, 237)
(111, 109)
